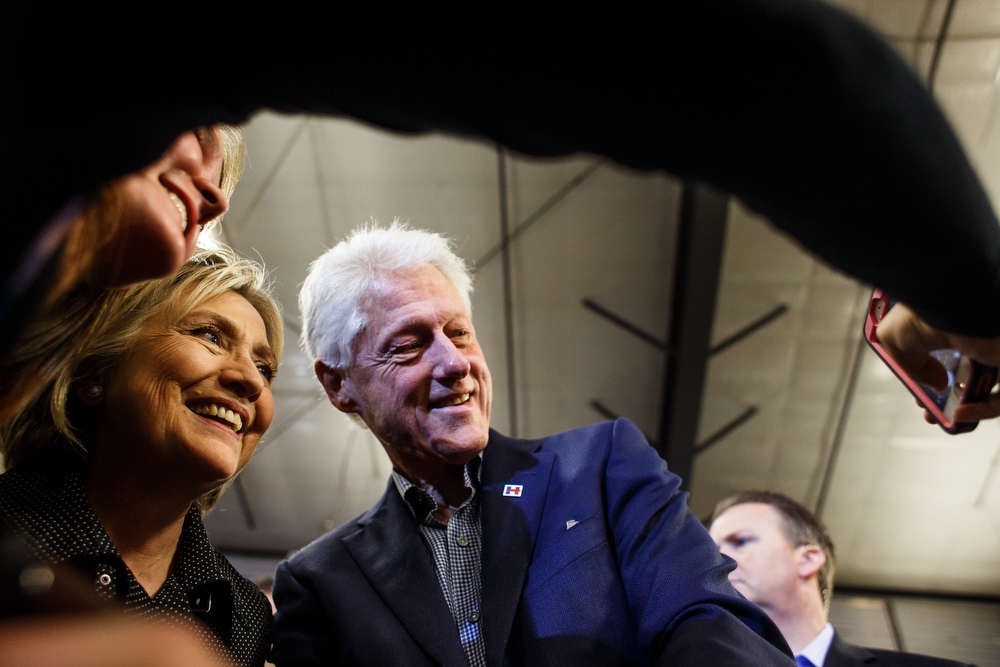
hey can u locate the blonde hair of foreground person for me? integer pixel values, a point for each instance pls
(53, 421)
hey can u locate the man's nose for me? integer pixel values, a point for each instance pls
(449, 360)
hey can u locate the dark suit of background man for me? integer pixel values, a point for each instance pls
(576, 549)
(785, 565)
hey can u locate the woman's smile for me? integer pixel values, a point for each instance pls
(203, 384)
(219, 414)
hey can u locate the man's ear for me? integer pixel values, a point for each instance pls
(811, 559)
(338, 387)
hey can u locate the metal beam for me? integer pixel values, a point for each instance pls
(759, 323)
(894, 628)
(244, 499)
(698, 261)
(508, 296)
(939, 45)
(611, 415)
(838, 435)
(604, 410)
(633, 329)
(538, 213)
(734, 424)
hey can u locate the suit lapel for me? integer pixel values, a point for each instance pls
(842, 654)
(391, 553)
(510, 525)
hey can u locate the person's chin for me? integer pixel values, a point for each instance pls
(145, 254)
(739, 586)
(462, 451)
(216, 464)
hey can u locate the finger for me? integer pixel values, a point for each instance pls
(984, 350)
(909, 341)
(99, 642)
(928, 417)
(923, 368)
(974, 412)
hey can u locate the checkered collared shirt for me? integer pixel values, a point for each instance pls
(457, 548)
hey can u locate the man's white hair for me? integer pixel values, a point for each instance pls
(343, 282)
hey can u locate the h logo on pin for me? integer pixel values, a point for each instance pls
(512, 490)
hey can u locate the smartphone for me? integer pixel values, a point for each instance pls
(968, 381)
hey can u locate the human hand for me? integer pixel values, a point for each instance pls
(104, 640)
(909, 341)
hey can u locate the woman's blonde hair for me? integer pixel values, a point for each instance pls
(90, 329)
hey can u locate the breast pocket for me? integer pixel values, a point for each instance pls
(573, 594)
(561, 547)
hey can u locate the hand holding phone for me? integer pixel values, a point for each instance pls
(946, 382)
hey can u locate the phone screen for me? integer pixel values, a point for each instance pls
(952, 362)
(968, 381)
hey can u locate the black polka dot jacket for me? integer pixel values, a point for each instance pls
(44, 505)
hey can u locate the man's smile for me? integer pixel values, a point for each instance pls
(457, 399)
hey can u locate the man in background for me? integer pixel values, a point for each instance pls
(785, 565)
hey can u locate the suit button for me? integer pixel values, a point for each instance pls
(462, 540)
(473, 616)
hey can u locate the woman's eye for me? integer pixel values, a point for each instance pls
(208, 333)
(266, 372)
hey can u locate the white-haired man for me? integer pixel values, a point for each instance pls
(486, 550)
(785, 565)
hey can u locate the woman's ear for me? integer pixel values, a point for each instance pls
(338, 387)
(90, 391)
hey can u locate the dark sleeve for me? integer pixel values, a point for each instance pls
(791, 105)
(300, 625)
(675, 579)
(720, 640)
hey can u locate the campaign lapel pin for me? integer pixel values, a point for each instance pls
(512, 490)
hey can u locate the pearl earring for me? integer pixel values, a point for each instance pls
(94, 391)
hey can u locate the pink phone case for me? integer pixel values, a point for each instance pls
(977, 388)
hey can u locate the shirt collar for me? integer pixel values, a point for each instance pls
(195, 563)
(422, 501)
(817, 649)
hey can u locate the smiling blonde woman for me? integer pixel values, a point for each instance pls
(163, 402)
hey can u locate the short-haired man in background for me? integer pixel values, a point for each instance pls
(785, 565)
(575, 549)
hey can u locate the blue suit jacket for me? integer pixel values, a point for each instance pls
(636, 579)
